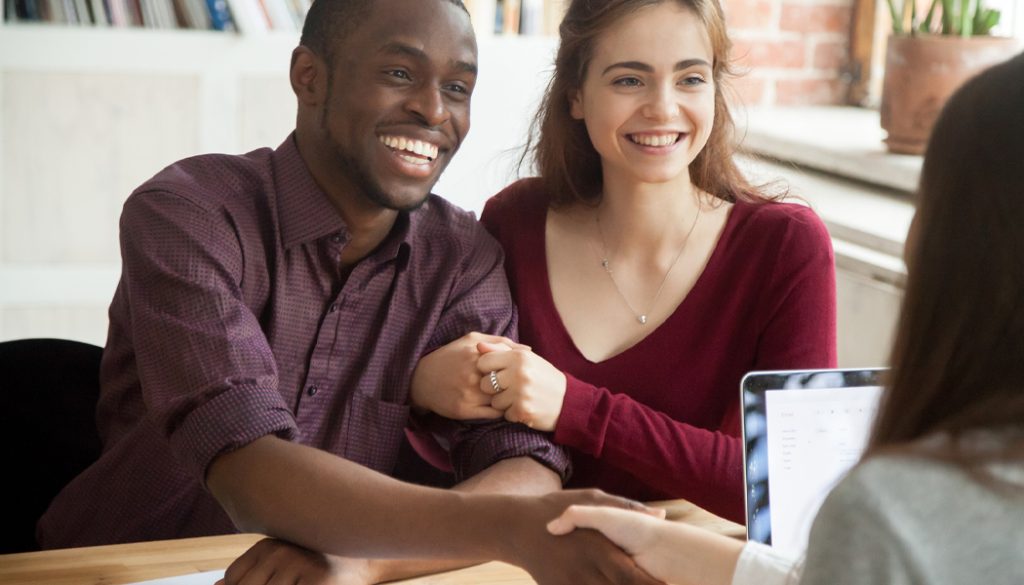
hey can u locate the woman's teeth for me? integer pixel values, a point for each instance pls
(654, 139)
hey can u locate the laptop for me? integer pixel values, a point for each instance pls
(802, 431)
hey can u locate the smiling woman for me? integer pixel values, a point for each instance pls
(649, 275)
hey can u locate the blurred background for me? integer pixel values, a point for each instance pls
(98, 95)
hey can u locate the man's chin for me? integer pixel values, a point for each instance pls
(404, 199)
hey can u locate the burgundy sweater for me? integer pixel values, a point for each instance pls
(661, 419)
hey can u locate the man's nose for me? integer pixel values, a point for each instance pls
(428, 105)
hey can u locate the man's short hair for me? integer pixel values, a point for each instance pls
(329, 21)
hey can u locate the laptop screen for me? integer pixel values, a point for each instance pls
(802, 430)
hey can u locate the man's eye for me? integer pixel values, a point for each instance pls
(399, 73)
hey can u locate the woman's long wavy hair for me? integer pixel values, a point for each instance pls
(958, 357)
(565, 158)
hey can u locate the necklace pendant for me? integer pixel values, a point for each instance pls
(642, 319)
(604, 263)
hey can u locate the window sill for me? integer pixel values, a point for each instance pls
(834, 159)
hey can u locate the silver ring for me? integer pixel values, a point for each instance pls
(494, 382)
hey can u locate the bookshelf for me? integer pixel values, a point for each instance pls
(87, 113)
(502, 17)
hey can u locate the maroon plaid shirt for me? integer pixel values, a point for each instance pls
(230, 322)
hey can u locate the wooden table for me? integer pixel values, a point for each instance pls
(127, 563)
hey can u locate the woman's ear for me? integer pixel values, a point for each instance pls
(575, 104)
(308, 76)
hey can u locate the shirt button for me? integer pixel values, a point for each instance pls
(312, 390)
(333, 308)
(336, 238)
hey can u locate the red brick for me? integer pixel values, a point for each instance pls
(791, 92)
(748, 14)
(747, 92)
(830, 55)
(755, 54)
(810, 18)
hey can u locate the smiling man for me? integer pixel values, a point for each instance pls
(272, 309)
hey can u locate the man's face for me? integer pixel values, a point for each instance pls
(397, 106)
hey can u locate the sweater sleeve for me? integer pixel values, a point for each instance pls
(796, 329)
(704, 466)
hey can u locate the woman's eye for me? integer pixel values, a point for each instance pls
(693, 80)
(627, 82)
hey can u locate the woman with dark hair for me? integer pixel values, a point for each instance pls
(650, 276)
(939, 494)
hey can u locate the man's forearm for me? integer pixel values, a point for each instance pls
(519, 476)
(325, 503)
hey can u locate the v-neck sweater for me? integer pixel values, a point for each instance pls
(661, 419)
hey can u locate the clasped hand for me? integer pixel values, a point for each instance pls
(455, 382)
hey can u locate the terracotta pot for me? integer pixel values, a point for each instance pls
(921, 72)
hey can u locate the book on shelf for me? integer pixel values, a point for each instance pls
(510, 17)
(531, 17)
(247, 16)
(518, 17)
(279, 15)
(554, 12)
(192, 14)
(99, 13)
(220, 16)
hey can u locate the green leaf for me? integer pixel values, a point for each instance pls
(948, 22)
(967, 9)
(985, 20)
(897, 22)
(926, 26)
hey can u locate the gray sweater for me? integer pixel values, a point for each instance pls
(901, 520)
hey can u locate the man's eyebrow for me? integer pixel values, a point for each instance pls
(464, 66)
(640, 66)
(397, 48)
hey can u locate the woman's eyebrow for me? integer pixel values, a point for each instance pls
(641, 66)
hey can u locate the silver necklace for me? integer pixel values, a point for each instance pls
(642, 317)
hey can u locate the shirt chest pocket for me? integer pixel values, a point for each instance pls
(372, 432)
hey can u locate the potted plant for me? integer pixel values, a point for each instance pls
(928, 58)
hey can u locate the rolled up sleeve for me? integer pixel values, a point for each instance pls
(481, 301)
(208, 375)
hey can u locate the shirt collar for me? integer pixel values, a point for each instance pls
(306, 213)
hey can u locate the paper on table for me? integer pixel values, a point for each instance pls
(207, 578)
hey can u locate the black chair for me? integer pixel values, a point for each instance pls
(48, 425)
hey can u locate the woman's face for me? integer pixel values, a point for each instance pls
(648, 99)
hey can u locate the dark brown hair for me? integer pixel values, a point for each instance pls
(958, 357)
(567, 161)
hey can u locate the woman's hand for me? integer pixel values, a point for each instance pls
(669, 551)
(529, 389)
(446, 381)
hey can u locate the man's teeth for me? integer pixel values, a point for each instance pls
(654, 139)
(424, 149)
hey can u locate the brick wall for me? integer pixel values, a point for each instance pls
(789, 52)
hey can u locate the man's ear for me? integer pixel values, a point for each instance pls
(308, 76)
(575, 104)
